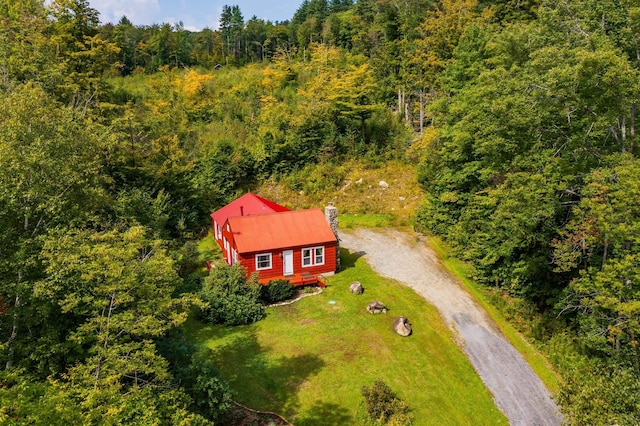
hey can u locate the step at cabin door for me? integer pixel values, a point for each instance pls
(287, 262)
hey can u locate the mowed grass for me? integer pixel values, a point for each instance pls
(208, 248)
(368, 221)
(309, 360)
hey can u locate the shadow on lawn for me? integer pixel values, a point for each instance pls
(326, 414)
(261, 379)
(349, 259)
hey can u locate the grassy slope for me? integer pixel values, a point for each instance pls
(311, 372)
(309, 360)
(358, 193)
(369, 206)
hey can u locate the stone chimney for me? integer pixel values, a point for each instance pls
(331, 214)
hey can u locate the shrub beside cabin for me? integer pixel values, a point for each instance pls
(276, 242)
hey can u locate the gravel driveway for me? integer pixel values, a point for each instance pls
(516, 389)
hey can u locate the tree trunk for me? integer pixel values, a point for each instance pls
(106, 339)
(623, 133)
(407, 113)
(612, 129)
(14, 331)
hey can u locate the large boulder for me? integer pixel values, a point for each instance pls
(356, 287)
(376, 308)
(402, 326)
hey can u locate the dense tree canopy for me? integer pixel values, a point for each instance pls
(117, 140)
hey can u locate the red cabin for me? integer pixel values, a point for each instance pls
(296, 245)
(247, 205)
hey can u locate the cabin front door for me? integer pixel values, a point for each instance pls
(287, 262)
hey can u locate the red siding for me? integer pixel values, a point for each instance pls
(248, 260)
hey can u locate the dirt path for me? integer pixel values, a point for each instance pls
(516, 389)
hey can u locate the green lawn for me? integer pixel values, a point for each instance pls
(309, 360)
(208, 248)
(367, 221)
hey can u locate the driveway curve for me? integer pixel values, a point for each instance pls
(517, 390)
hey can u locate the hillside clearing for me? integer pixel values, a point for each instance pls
(517, 391)
(308, 361)
(354, 187)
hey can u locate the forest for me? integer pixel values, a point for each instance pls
(118, 140)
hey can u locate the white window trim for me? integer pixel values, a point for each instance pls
(258, 268)
(313, 256)
(234, 256)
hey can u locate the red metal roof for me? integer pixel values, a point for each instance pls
(248, 204)
(267, 232)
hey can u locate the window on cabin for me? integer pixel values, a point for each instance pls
(313, 256)
(263, 261)
(234, 256)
